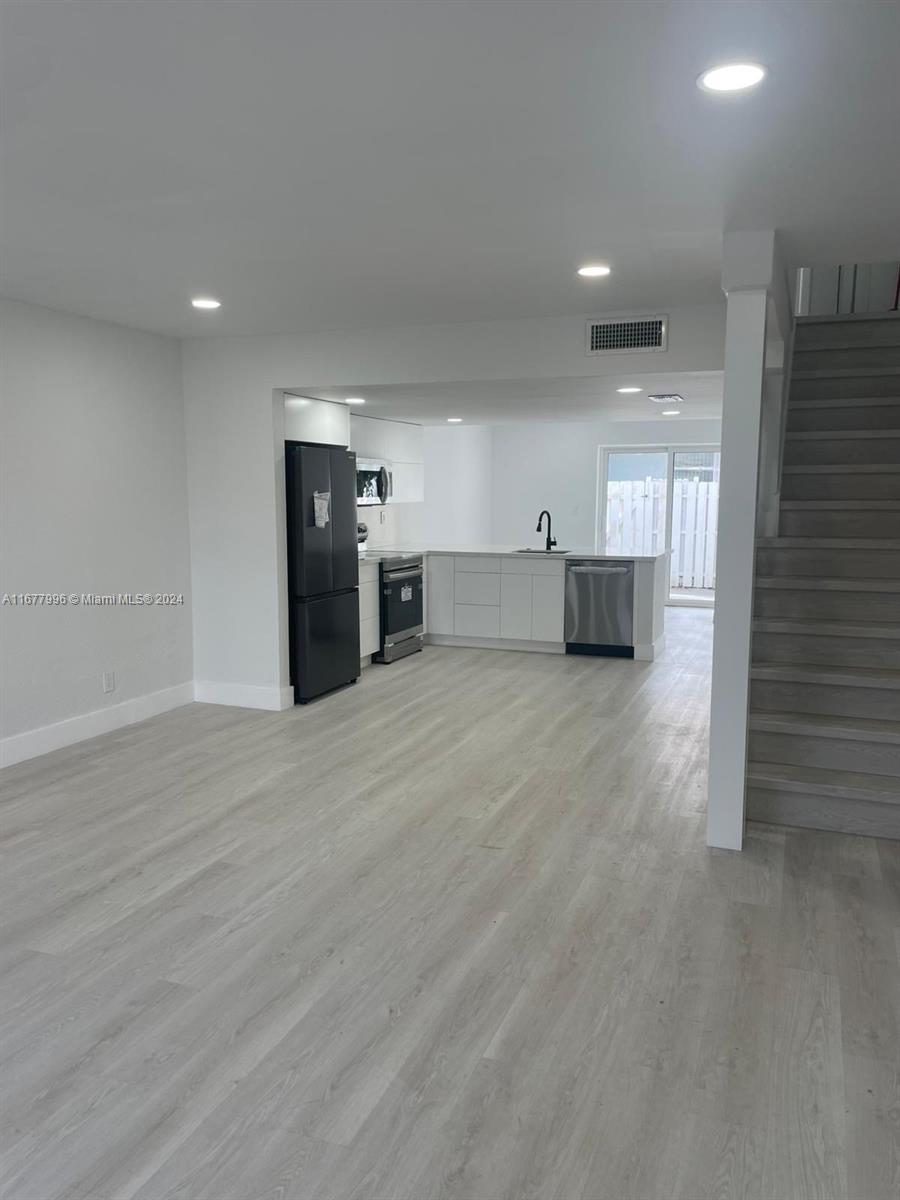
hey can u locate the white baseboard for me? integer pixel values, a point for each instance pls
(34, 742)
(646, 652)
(477, 643)
(244, 695)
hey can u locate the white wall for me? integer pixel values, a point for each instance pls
(94, 499)
(234, 430)
(458, 490)
(554, 466)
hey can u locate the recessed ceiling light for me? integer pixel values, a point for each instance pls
(629, 391)
(454, 420)
(593, 270)
(206, 302)
(731, 77)
(671, 412)
(354, 400)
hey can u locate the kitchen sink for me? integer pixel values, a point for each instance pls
(538, 550)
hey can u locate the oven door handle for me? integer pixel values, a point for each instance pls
(396, 576)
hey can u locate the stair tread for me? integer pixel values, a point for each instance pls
(874, 677)
(841, 469)
(819, 627)
(862, 729)
(846, 319)
(845, 402)
(828, 543)
(843, 372)
(824, 781)
(828, 435)
(841, 505)
(826, 583)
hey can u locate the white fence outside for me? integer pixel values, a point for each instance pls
(636, 524)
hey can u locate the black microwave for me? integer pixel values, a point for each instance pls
(374, 482)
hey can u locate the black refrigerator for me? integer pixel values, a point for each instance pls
(323, 567)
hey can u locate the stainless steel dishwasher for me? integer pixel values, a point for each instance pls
(600, 608)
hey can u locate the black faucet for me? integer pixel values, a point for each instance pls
(551, 541)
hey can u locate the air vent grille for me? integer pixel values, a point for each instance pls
(626, 335)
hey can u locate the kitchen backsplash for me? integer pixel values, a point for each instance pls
(402, 523)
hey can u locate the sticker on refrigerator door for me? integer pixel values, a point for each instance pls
(321, 505)
(406, 592)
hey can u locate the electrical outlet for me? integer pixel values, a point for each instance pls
(382, 517)
(109, 681)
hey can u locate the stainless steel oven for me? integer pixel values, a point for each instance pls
(402, 608)
(374, 481)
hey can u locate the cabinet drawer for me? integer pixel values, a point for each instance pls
(472, 588)
(368, 572)
(547, 608)
(534, 566)
(478, 562)
(476, 620)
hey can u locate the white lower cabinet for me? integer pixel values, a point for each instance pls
(369, 637)
(518, 600)
(547, 608)
(477, 588)
(515, 607)
(440, 592)
(369, 610)
(476, 620)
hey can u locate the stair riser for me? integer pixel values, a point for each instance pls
(827, 605)
(825, 699)
(823, 812)
(826, 651)
(855, 416)
(822, 335)
(852, 387)
(842, 450)
(867, 758)
(847, 358)
(832, 523)
(840, 487)
(829, 564)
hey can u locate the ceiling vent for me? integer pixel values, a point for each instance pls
(627, 335)
(666, 398)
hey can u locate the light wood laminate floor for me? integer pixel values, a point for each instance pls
(452, 932)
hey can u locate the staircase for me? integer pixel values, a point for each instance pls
(824, 736)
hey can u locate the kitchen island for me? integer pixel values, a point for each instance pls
(500, 597)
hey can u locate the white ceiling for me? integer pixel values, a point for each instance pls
(361, 163)
(494, 402)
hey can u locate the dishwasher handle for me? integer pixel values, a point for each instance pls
(599, 570)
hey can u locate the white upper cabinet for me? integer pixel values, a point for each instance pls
(393, 441)
(366, 437)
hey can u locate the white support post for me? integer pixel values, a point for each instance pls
(748, 271)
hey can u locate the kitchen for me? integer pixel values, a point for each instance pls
(430, 570)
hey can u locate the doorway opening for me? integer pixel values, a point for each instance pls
(656, 498)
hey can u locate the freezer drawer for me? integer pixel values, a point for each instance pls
(599, 606)
(324, 643)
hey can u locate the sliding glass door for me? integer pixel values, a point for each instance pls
(637, 488)
(654, 498)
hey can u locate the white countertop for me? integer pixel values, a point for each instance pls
(400, 551)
